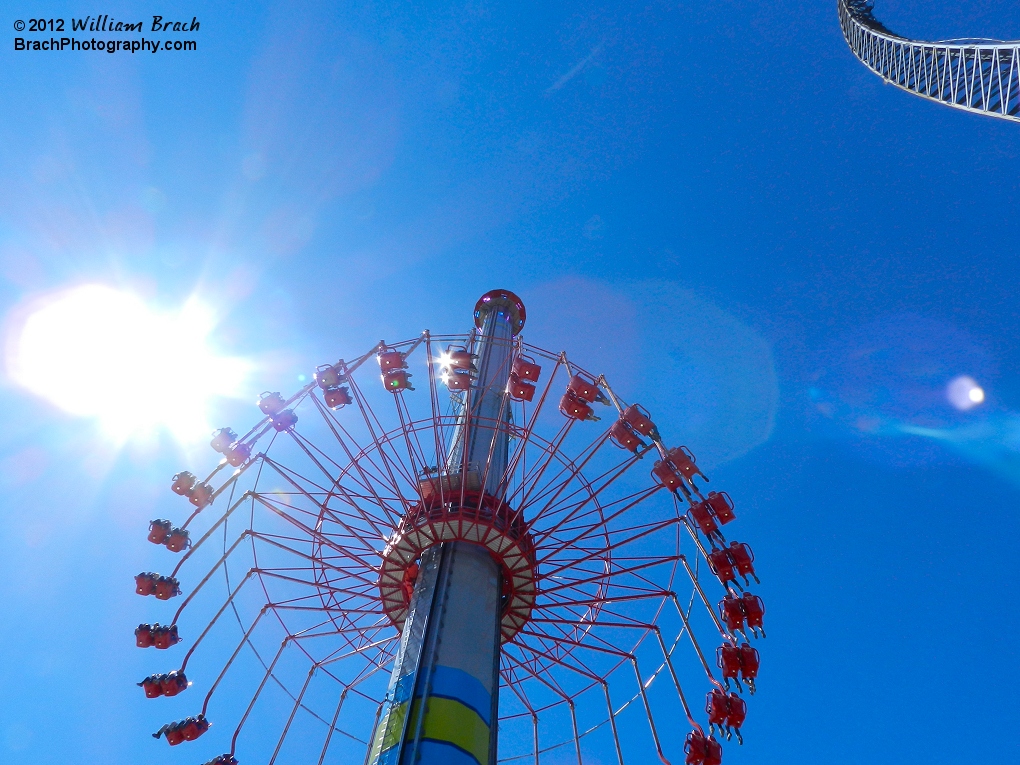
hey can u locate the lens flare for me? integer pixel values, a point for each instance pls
(102, 353)
(964, 393)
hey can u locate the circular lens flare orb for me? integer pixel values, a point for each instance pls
(99, 352)
(964, 393)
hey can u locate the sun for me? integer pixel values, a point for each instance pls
(103, 353)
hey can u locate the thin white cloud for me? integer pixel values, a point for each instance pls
(575, 70)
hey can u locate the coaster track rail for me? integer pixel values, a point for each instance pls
(980, 76)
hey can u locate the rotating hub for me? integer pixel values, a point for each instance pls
(478, 519)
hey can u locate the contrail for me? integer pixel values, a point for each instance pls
(574, 70)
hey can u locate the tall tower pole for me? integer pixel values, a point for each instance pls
(443, 700)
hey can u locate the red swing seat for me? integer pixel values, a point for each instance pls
(143, 636)
(722, 506)
(584, 390)
(719, 562)
(736, 711)
(178, 540)
(624, 437)
(526, 368)
(731, 609)
(327, 376)
(742, 557)
(166, 587)
(390, 361)
(575, 409)
(702, 514)
(727, 658)
(145, 583)
(222, 439)
(457, 380)
(667, 475)
(201, 495)
(682, 459)
(165, 636)
(396, 381)
(717, 707)
(754, 610)
(173, 683)
(271, 403)
(638, 418)
(183, 483)
(238, 455)
(159, 530)
(519, 389)
(750, 661)
(151, 686)
(194, 727)
(336, 398)
(461, 359)
(174, 735)
(284, 421)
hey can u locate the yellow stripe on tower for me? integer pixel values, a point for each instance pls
(445, 720)
(387, 735)
(450, 721)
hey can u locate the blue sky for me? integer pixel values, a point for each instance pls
(715, 203)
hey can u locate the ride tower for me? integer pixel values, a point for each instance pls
(443, 698)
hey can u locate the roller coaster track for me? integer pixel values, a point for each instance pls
(981, 76)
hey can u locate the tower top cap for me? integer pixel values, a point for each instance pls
(501, 300)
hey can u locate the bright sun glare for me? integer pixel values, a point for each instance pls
(99, 352)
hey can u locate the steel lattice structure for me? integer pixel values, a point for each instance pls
(351, 506)
(981, 76)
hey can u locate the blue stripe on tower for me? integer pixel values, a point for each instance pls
(389, 757)
(441, 753)
(453, 683)
(404, 687)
